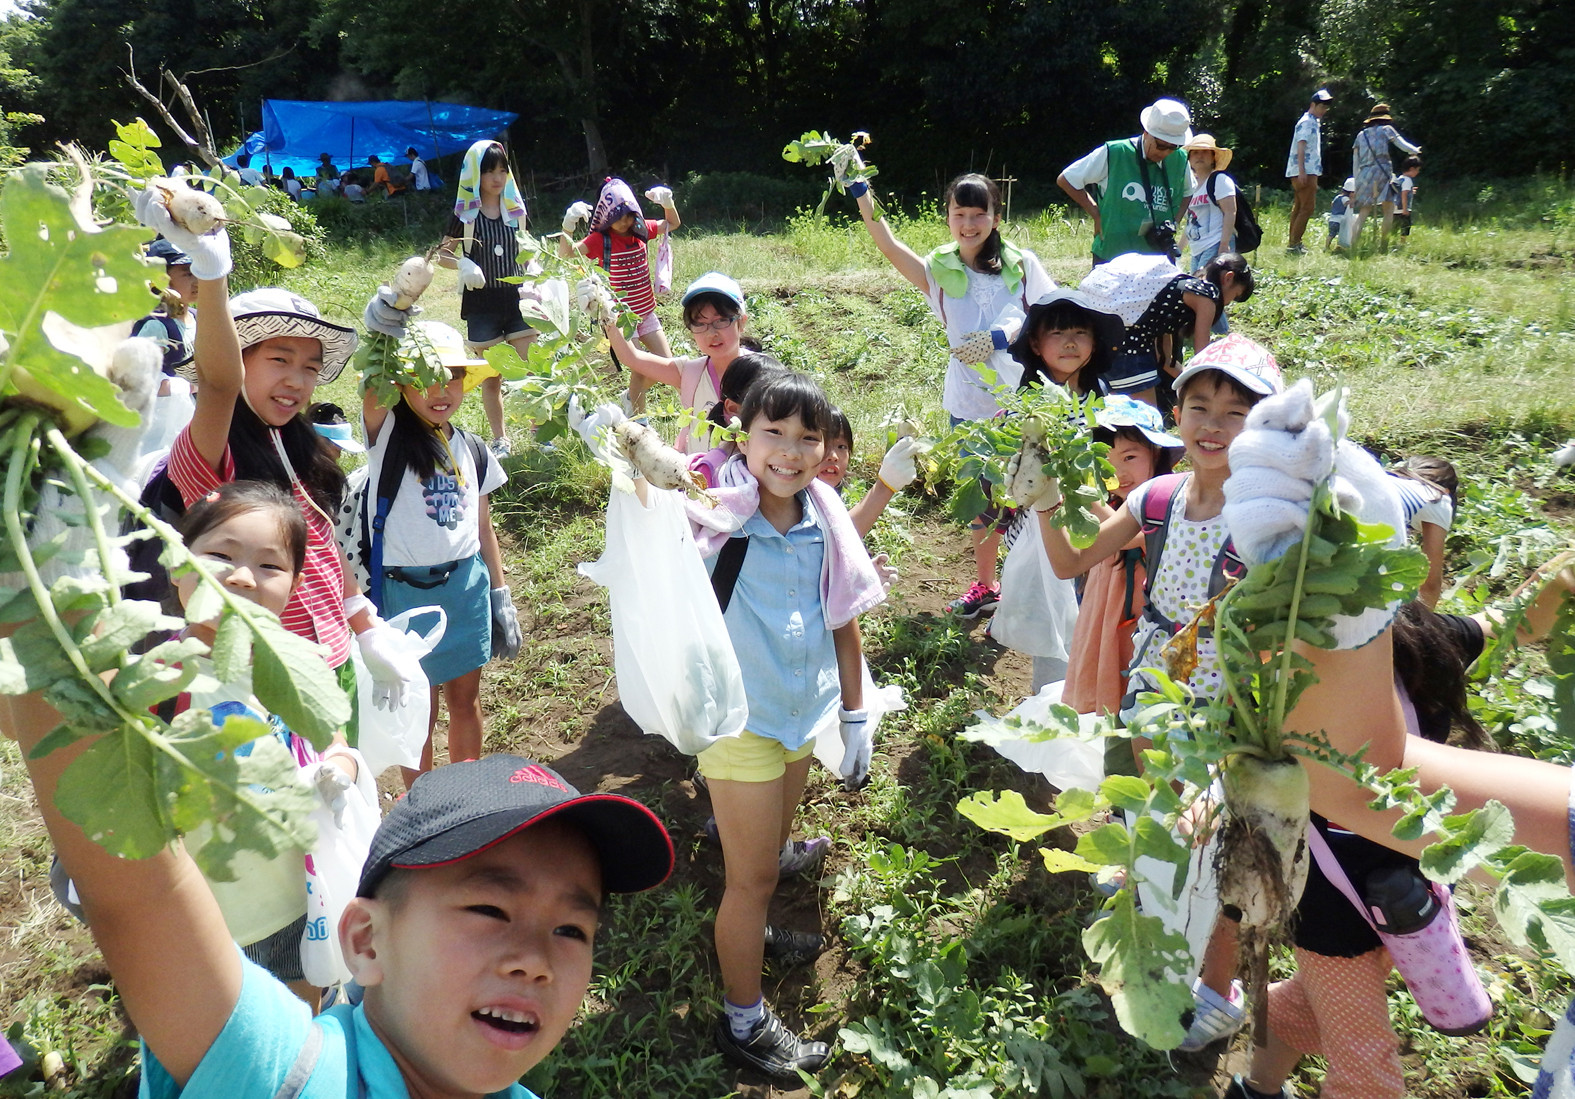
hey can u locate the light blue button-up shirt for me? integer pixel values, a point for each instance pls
(778, 630)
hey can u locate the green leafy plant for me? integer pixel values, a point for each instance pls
(813, 147)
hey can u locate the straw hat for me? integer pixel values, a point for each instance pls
(1379, 113)
(269, 312)
(1206, 143)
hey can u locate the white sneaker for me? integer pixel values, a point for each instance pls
(626, 404)
(1214, 1017)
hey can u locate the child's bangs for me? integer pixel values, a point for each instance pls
(1062, 316)
(788, 395)
(1215, 380)
(973, 190)
(494, 158)
(724, 306)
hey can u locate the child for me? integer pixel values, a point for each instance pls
(714, 314)
(471, 935)
(173, 325)
(1101, 651)
(1067, 340)
(1405, 193)
(749, 368)
(617, 243)
(1187, 559)
(1429, 494)
(439, 548)
(979, 287)
(420, 178)
(481, 242)
(898, 470)
(258, 359)
(800, 657)
(1340, 215)
(289, 184)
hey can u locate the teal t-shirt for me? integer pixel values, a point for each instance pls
(261, 1045)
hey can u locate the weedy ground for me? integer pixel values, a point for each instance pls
(955, 966)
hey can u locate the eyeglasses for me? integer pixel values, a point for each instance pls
(721, 325)
(1163, 146)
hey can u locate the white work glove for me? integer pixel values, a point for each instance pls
(1564, 457)
(854, 727)
(594, 298)
(1276, 462)
(381, 315)
(1031, 488)
(898, 468)
(976, 347)
(844, 161)
(210, 252)
(576, 213)
(331, 784)
(506, 638)
(471, 274)
(662, 196)
(388, 665)
(589, 425)
(885, 570)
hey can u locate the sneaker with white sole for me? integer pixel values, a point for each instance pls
(796, 856)
(977, 600)
(1213, 1016)
(772, 1050)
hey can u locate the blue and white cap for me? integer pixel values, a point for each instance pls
(1123, 411)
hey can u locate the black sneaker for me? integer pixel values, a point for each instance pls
(786, 949)
(1239, 1089)
(772, 1050)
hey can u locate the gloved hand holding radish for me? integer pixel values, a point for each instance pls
(1026, 480)
(191, 220)
(576, 213)
(384, 317)
(898, 469)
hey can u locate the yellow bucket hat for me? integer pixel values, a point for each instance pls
(452, 353)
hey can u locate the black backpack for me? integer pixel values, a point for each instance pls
(1249, 234)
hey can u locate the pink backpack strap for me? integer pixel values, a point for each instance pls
(1161, 493)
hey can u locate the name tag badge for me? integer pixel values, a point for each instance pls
(497, 249)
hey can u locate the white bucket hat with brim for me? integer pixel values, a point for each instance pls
(270, 313)
(1169, 120)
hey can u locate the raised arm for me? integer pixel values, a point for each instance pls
(1068, 561)
(907, 262)
(220, 374)
(640, 360)
(155, 920)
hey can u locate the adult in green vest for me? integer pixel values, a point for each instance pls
(1136, 188)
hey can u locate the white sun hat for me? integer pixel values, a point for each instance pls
(1169, 120)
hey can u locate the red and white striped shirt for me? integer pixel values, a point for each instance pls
(630, 272)
(316, 610)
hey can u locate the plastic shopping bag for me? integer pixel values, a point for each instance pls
(333, 871)
(1066, 762)
(664, 261)
(394, 738)
(878, 702)
(678, 677)
(1038, 610)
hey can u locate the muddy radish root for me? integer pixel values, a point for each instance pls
(657, 462)
(195, 211)
(413, 277)
(1262, 860)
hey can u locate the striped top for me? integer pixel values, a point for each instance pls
(316, 610)
(495, 249)
(631, 269)
(1423, 503)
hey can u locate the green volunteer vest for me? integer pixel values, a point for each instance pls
(951, 274)
(1122, 209)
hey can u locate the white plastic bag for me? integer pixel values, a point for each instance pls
(394, 738)
(878, 702)
(1038, 610)
(1067, 763)
(333, 871)
(678, 677)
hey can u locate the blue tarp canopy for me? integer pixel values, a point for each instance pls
(295, 132)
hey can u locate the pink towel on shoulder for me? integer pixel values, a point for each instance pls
(849, 584)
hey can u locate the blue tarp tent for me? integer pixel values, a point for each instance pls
(296, 131)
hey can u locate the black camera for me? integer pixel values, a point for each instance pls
(1161, 237)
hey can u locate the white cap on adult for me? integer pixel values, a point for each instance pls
(1169, 120)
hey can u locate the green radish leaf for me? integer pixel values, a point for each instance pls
(293, 681)
(285, 248)
(82, 705)
(1127, 792)
(1058, 861)
(58, 737)
(232, 649)
(163, 672)
(118, 628)
(110, 792)
(1468, 839)
(1076, 805)
(31, 659)
(133, 149)
(1109, 845)
(1529, 880)
(1008, 814)
(1140, 967)
(204, 604)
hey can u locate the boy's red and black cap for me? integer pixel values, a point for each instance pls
(464, 808)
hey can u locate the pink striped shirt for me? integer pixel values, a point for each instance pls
(316, 610)
(631, 270)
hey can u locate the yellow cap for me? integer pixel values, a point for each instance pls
(453, 353)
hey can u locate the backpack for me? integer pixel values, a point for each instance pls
(1155, 526)
(359, 527)
(1249, 234)
(160, 496)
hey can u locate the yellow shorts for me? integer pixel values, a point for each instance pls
(749, 758)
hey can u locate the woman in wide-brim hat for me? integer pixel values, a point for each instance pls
(1211, 209)
(1373, 169)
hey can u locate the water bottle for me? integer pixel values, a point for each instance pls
(1400, 900)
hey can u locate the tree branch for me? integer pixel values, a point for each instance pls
(205, 153)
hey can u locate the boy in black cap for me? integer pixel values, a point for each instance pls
(471, 935)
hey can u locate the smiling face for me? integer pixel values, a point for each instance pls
(835, 467)
(438, 404)
(250, 555)
(970, 227)
(1134, 462)
(280, 376)
(1211, 414)
(715, 334)
(784, 455)
(1064, 349)
(474, 970)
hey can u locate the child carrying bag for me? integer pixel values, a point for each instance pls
(1432, 960)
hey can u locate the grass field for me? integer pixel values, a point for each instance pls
(956, 967)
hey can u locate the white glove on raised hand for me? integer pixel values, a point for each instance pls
(576, 213)
(898, 468)
(857, 743)
(381, 315)
(471, 274)
(662, 196)
(388, 664)
(976, 347)
(209, 252)
(595, 299)
(1030, 486)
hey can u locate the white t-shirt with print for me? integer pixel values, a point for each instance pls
(1179, 590)
(1205, 220)
(434, 521)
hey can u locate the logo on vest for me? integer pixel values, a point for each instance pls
(539, 775)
